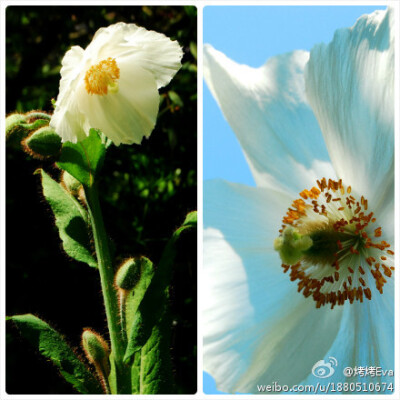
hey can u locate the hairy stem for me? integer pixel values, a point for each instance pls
(107, 280)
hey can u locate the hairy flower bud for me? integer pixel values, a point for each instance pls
(96, 348)
(12, 122)
(128, 274)
(97, 352)
(42, 143)
(15, 131)
(70, 183)
(18, 126)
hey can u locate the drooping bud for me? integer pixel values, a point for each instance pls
(42, 143)
(15, 131)
(96, 348)
(18, 126)
(126, 278)
(128, 274)
(70, 183)
(13, 121)
(97, 352)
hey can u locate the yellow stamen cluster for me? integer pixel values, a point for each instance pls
(102, 77)
(344, 257)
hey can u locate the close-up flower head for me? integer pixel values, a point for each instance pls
(299, 269)
(113, 84)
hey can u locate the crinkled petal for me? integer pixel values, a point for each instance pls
(350, 86)
(67, 119)
(149, 50)
(128, 115)
(257, 327)
(147, 60)
(268, 111)
(71, 68)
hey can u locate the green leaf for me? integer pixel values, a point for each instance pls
(83, 160)
(190, 222)
(142, 320)
(156, 366)
(52, 345)
(135, 297)
(135, 374)
(71, 220)
(153, 304)
(140, 283)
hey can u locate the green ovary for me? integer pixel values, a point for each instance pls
(292, 245)
(318, 247)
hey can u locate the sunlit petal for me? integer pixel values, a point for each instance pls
(137, 100)
(112, 85)
(350, 85)
(268, 111)
(254, 318)
(148, 49)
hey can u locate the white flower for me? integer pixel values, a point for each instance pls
(326, 116)
(113, 84)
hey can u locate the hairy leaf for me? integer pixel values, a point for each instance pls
(156, 366)
(71, 220)
(153, 304)
(52, 345)
(83, 160)
(135, 374)
(135, 297)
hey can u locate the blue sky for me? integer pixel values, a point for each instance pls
(250, 35)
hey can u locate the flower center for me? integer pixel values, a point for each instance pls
(102, 77)
(329, 242)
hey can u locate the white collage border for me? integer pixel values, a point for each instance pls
(200, 4)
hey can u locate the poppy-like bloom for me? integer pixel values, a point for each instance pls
(300, 268)
(113, 84)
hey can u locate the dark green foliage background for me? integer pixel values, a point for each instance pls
(146, 191)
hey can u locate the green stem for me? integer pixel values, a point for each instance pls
(107, 285)
(106, 272)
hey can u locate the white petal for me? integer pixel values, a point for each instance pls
(67, 118)
(70, 69)
(254, 318)
(350, 85)
(127, 116)
(149, 50)
(268, 111)
(68, 121)
(365, 338)
(147, 61)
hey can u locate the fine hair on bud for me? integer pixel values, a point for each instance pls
(82, 196)
(128, 274)
(97, 352)
(42, 143)
(70, 183)
(95, 347)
